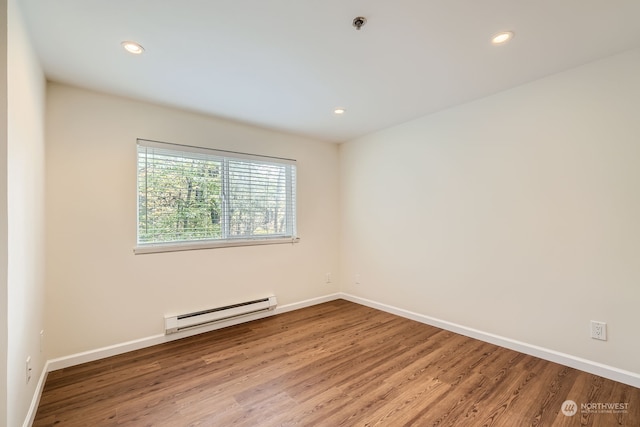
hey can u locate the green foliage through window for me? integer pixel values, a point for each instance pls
(193, 194)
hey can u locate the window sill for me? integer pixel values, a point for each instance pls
(210, 244)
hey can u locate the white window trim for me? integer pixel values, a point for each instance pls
(153, 248)
(149, 248)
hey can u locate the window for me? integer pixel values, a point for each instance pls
(192, 198)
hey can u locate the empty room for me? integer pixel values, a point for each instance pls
(337, 213)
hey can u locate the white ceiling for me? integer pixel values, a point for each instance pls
(286, 64)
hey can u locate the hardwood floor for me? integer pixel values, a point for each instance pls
(334, 364)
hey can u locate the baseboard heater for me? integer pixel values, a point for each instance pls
(196, 319)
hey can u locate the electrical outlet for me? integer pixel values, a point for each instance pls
(42, 341)
(328, 278)
(598, 330)
(356, 279)
(28, 367)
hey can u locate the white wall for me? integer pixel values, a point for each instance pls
(98, 292)
(25, 198)
(517, 214)
(4, 344)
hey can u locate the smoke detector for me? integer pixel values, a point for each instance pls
(359, 21)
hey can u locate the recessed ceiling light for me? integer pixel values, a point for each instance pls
(502, 37)
(339, 111)
(132, 47)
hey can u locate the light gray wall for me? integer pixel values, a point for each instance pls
(516, 215)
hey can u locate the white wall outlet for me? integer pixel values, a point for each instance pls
(42, 341)
(356, 279)
(28, 367)
(598, 330)
(327, 278)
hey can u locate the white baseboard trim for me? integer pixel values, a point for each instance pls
(113, 350)
(33, 408)
(605, 371)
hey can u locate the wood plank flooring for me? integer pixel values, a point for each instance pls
(334, 364)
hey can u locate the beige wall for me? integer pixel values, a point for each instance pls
(4, 318)
(98, 292)
(25, 198)
(517, 214)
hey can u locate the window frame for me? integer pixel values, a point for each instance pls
(225, 156)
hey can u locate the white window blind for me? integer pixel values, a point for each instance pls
(192, 197)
